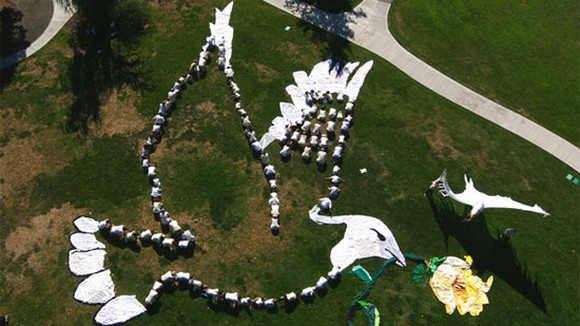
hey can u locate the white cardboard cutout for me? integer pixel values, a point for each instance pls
(365, 237)
(479, 201)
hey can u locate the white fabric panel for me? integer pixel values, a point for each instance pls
(301, 79)
(355, 84)
(319, 74)
(298, 97)
(290, 112)
(365, 237)
(339, 83)
(83, 263)
(119, 310)
(96, 289)
(86, 224)
(85, 241)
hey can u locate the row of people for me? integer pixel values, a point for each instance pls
(171, 279)
(268, 168)
(181, 240)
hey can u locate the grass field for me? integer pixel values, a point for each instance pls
(404, 135)
(522, 54)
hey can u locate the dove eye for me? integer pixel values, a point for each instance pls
(379, 235)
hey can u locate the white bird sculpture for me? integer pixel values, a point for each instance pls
(478, 200)
(365, 237)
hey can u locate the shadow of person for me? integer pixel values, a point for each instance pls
(489, 253)
(12, 41)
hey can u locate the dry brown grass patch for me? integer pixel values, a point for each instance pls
(23, 159)
(118, 115)
(38, 242)
(265, 73)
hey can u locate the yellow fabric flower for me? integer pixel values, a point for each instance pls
(454, 284)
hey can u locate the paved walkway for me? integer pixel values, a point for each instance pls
(367, 26)
(59, 17)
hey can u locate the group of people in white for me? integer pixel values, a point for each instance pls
(315, 132)
(232, 300)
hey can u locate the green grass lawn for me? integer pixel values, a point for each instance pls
(404, 135)
(521, 54)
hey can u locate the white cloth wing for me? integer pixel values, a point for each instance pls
(320, 75)
(276, 131)
(119, 310)
(83, 263)
(301, 79)
(353, 88)
(507, 202)
(290, 112)
(85, 241)
(96, 289)
(298, 97)
(86, 224)
(339, 84)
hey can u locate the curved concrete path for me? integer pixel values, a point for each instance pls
(60, 16)
(367, 26)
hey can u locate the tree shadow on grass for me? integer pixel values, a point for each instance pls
(489, 253)
(105, 58)
(329, 30)
(12, 42)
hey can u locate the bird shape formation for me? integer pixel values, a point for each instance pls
(312, 115)
(478, 200)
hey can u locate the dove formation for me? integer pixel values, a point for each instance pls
(309, 126)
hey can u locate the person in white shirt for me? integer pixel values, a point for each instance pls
(168, 278)
(321, 159)
(285, 153)
(307, 294)
(151, 298)
(165, 218)
(146, 235)
(157, 238)
(270, 172)
(321, 283)
(325, 204)
(151, 172)
(155, 194)
(175, 228)
(159, 119)
(105, 225)
(333, 192)
(332, 114)
(118, 231)
(307, 153)
(316, 129)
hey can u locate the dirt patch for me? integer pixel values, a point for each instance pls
(209, 108)
(7, 4)
(442, 144)
(25, 158)
(526, 183)
(291, 51)
(483, 160)
(32, 247)
(265, 73)
(118, 115)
